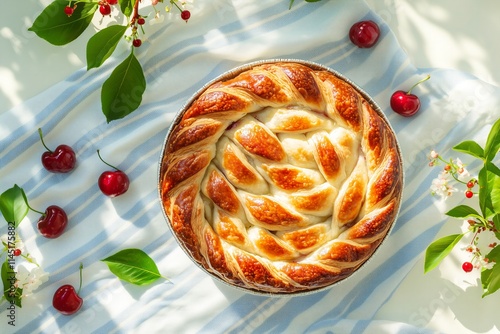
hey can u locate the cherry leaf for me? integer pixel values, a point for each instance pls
(126, 6)
(11, 293)
(462, 211)
(489, 191)
(489, 277)
(496, 222)
(122, 92)
(14, 205)
(134, 266)
(57, 28)
(470, 147)
(103, 44)
(493, 142)
(490, 280)
(439, 249)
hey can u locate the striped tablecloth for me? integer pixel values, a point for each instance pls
(178, 59)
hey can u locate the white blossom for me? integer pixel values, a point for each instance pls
(441, 186)
(158, 18)
(463, 173)
(18, 243)
(480, 262)
(30, 279)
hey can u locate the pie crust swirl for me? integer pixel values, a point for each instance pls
(283, 178)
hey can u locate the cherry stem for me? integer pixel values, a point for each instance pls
(42, 213)
(415, 85)
(135, 13)
(41, 138)
(29, 207)
(99, 154)
(81, 279)
(176, 5)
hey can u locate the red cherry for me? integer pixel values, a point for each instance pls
(69, 10)
(53, 222)
(185, 15)
(112, 2)
(405, 103)
(17, 252)
(113, 183)
(105, 9)
(61, 160)
(470, 184)
(141, 21)
(469, 194)
(364, 34)
(66, 300)
(467, 267)
(137, 42)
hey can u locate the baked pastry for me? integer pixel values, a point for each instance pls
(283, 178)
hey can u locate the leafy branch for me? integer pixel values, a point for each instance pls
(488, 219)
(63, 21)
(14, 208)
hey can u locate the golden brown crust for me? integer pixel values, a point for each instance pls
(281, 179)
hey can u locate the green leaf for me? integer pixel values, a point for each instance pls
(493, 168)
(462, 211)
(122, 92)
(14, 205)
(57, 28)
(496, 222)
(103, 44)
(489, 189)
(133, 266)
(127, 6)
(11, 294)
(493, 142)
(494, 254)
(490, 280)
(439, 249)
(470, 147)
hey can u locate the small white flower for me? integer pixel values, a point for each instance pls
(18, 244)
(434, 154)
(441, 186)
(158, 18)
(469, 248)
(22, 274)
(30, 280)
(463, 173)
(481, 262)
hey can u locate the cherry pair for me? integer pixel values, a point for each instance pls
(63, 160)
(365, 34)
